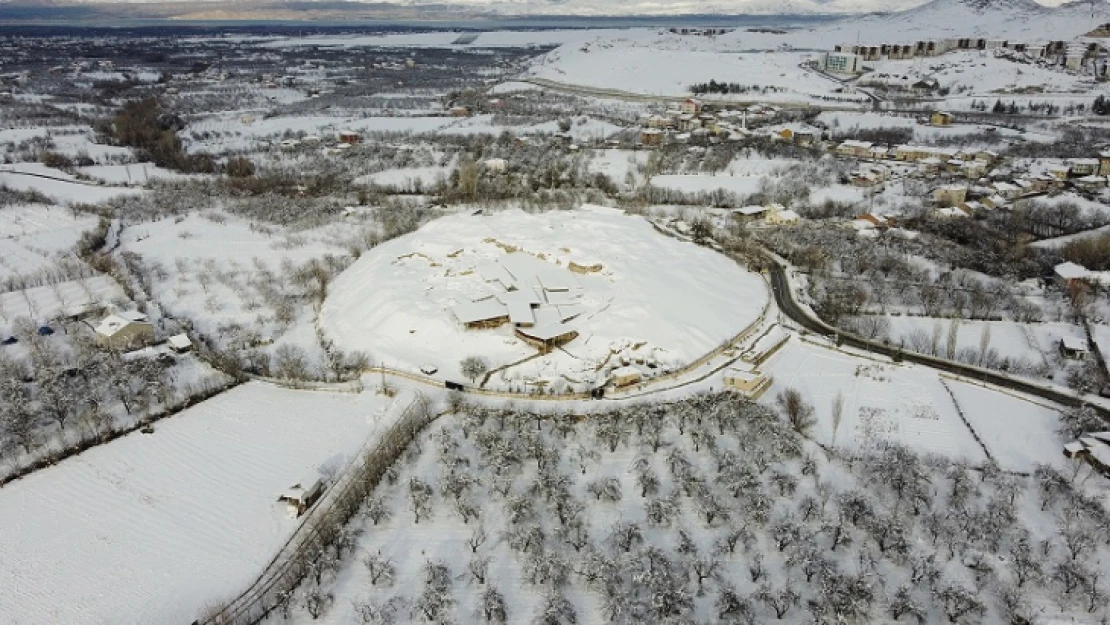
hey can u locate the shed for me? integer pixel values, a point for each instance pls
(1073, 348)
(180, 343)
(300, 498)
(626, 376)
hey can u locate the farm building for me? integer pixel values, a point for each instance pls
(1093, 448)
(180, 343)
(941, 118)
(778, 216)
(349, 137)
(124, 330)
(749, 383)
(547, 336)
(691, 106)
(950, 195)
(300, 498)
(626, 376)
(651, 136)
(1073, 348)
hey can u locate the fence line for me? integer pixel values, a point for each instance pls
(323, 522)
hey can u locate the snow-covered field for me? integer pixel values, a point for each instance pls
(653, 295)
(881, 401)
(56, 185)
(668, 67)
(219, 270)
(44, 303)
(153, 528)
(34, 236)
(1033, 342)
(1019, 434)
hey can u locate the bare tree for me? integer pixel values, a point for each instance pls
(797, 411)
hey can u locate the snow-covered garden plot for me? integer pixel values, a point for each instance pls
(618, 164)
(708, 510)
(743, 176)
(405, 179)
(1019, 434)
(34, 236)
(71, 141)
(56, 187)
(44, 303)
(634, 295)
(135, 173)
(880, 401)
(152, 528)
(1032, 342)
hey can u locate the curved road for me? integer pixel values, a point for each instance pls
(784, 297)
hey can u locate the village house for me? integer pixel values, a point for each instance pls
(1073, 348)
(779, 216)
(125, 330)
(748, 213)
(950, 195)
(1007, 190)
(1083, 166)
(180, 343)
(851, 147)
(349, 137)
(458, 111)
(495, 165)
(1091, 184)
(690, 106)
(941, 118)
(1092, 448)
(1069, 275)
(651, 137)
(1060, 172)
(1104, 163)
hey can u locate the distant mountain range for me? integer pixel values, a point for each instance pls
(962, 15)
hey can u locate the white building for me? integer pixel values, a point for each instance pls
(841, 63)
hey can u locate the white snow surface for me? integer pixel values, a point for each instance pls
(152, 528)
(676, 301)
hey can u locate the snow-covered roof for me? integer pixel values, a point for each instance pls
(482, 310)
(180, 341)
(750, 210)
(742, 374)
(626, 371)
(1070, 271)
(1074, 344)
(112, 324)
(132, 315)
(547, 331)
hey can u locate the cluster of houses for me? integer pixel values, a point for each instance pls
(849, 58)
(1089, 175)
(692, 118)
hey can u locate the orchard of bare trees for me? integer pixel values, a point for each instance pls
(705, 510)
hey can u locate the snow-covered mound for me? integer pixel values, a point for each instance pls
(636, 295)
